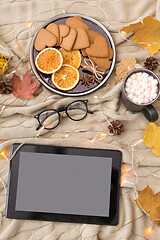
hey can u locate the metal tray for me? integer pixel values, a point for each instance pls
(80, 89)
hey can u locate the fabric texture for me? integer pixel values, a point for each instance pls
(18, 125)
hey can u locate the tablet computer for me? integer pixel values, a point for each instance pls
(64, 184)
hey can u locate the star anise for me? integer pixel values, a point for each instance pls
(116, 127)
(93, 79)
(85, 80)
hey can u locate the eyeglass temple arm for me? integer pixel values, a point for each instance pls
(39, 125)
(89, 111)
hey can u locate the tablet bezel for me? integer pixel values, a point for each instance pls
(116, 156)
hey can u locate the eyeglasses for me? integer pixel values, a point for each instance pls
(50, 118)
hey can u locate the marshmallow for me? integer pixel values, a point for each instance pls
(127, 90)
(138, 92)
(130, 95)
(133, 76)
(145, 86)
(154, 89)
(145, 74)
(147, 94)
(129, 80)
(128, 84)
(139, 74)
(135, 99)
(154, 82)
(145, 80)
(153, 95)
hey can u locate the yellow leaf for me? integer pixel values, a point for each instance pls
(146, 33)
(3, 65)
(150, 203)
(151, 138)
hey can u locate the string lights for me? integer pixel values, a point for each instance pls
(28, 25)
(148, 231)
(3, 154)
(2, 109)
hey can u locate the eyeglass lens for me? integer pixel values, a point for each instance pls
(77, 110)
(49, 119)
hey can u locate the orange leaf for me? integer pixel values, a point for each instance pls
(150, 203)
(23, 88)
(151, 138)
(146, 33)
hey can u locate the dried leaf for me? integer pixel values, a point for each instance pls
(150, 203)
(126, 65)
(151, 138)
(146, 33)
(23, 88)
(3, 64)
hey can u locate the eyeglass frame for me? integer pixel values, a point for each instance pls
(61, 109)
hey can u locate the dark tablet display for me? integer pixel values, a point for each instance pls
(64, 184)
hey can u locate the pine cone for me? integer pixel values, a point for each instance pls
(5, 86)
(151, 63)
(116, 127)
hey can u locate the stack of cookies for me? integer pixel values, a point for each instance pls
(75, 34)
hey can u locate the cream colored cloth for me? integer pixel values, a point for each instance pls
(18, 125)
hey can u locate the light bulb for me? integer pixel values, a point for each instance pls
(28, 25)
(148, 231)
(102, 135)
(3, 154)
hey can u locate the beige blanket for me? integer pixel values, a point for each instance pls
(18, 125)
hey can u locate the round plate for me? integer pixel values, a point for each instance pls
(80, 89)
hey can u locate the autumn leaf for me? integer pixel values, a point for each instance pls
(23, 88)
(146, 33)
(150, 203)
(151, 138)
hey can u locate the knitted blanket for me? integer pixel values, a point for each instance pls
(18, 125)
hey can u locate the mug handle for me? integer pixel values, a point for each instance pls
(150, 113)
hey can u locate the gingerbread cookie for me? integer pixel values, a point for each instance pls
(68, 42)
(101, 62)
(74, 23)
(60, 41)
(64, 30)
(82, 40)
(78, 18)
(83, 51)
(99, 48)
(44, 38)
(110, 53)
(54, 28)
(92, 35)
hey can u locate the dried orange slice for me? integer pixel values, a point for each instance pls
(72, 57)
(49, 60)
(66, 78)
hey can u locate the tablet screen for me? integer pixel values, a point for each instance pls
(67, 184)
